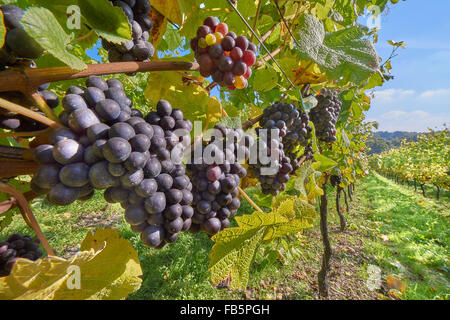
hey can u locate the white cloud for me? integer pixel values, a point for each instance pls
(391, 95)
(435, 93)
(417, 120)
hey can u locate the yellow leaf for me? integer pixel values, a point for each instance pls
(159, 27)
(235, 248)
(215, 111)
(107, 269)
(170, 9)
(253, 111)
(190, 98)
(396, 283)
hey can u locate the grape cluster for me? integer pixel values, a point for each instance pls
(139, 48)
(72, 164)
(17, 246)
(336, 180)
(222, 54)
(276, 122)
(111, 147)
(20, 123)
(19, 45)
(325, 115)
(281, 116)
(298, 136)
(216, 180)
(309, 152)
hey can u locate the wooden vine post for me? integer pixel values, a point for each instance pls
(327, 250)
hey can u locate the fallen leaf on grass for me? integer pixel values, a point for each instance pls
(396, 283)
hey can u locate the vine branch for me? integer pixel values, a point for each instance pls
(31, 78)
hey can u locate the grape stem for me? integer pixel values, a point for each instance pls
(30, 218)
(252, 203)
(8, 105)
(10, 169)
(258, 11)
(43, 106)
(25, 134)
(11, 203)
(31, 78)
(251, 122)
(211, 86)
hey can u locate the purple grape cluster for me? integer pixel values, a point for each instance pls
(274, 125)
(309, 152)
(336, 180)
(298, 136)
(19, 123)
(17, 246)
(109, 146)
(139, 48)
(216, 180)
(325, 115)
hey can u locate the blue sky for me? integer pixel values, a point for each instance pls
(419, 96)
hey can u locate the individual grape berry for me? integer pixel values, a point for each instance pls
(241, 82)
(249, 58)
(215, 51)
(210, 39)
(222, 28)
(225, 64)
(211, 22)
(116, 150)
(239, 68)
(75, 175)
(236, 54)
(62, 195)
(242, 42)
(228, 43)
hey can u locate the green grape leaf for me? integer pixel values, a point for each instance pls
(342, 53)
(43, 27)
(108, 21)
(231, 122)
(304, 172)
(323, 163)
(235, 248)
(265, 79)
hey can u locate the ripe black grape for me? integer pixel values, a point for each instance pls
(325, 115)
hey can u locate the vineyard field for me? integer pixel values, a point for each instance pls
(407, 243)
(220, 150)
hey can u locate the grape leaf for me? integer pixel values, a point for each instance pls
(265, 79)
(342, 53)
(108, 267)
(304, 172)
(170, 9)
(42, 25)
(191, 98)
(2, 30)
(235, 248)
(108, 21)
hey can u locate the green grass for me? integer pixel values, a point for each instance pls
(417, 249)
(417, 230)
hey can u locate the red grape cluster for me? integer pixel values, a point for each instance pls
(223, 55)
